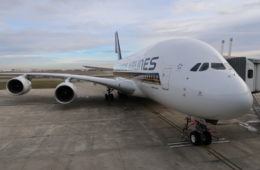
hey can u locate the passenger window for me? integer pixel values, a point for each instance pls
(204, 67)
(250, 74)
(218, 66)
(196, 67)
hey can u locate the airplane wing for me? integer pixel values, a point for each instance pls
(99, 68)
(119, 84)
(22, 84)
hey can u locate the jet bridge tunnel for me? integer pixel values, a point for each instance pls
(249, 71)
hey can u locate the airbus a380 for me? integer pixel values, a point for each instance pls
(185, 74)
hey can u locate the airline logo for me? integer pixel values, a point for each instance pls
(148, 63)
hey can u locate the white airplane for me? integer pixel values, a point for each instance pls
(185, 74)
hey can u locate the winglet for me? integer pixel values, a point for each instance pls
(117, 46)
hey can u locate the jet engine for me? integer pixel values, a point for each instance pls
(65, 92)
(19, 85)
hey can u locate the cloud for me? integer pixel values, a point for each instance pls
(60, 30)
(184, 6)
(46, 41)
(248, 53)
(206, 20)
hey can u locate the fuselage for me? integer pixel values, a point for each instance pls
(188, 75)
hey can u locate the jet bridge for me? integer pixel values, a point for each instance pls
(249, 71)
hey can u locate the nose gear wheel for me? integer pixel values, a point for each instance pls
(199, 136)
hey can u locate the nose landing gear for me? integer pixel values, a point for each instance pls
(199, 136)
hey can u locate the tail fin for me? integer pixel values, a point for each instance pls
(117, 46)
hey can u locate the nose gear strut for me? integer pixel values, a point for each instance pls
(200, 135)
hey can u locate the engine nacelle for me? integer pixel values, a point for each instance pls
(65, 93)
(19, 85)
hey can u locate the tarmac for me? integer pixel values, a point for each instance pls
(37, 133)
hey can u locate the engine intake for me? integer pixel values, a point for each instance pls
(19, 85)
(65, 93)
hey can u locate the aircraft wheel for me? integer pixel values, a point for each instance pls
(207, 138)
(195, 138)
(111, 97)
(106, 97)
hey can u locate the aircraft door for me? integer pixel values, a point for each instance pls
(166, 78)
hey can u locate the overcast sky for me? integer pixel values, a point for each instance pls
(42, 34)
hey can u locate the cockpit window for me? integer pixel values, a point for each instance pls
(196, 67)
(218, 66)
(228, 66)
(204, 67)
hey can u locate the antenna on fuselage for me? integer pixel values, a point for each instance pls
(117, 46)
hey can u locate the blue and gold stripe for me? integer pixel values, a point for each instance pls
(150, 78)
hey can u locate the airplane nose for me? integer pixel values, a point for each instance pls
(236, 97)
(242, 103)
(229, 106)
(230, 99)
(219, 100)
(235, 105)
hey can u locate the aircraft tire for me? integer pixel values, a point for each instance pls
(111, 97)
(207, 138)
(195, 138)
(106, 97)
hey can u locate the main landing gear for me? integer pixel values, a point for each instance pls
(200, 134)
(109, 95)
